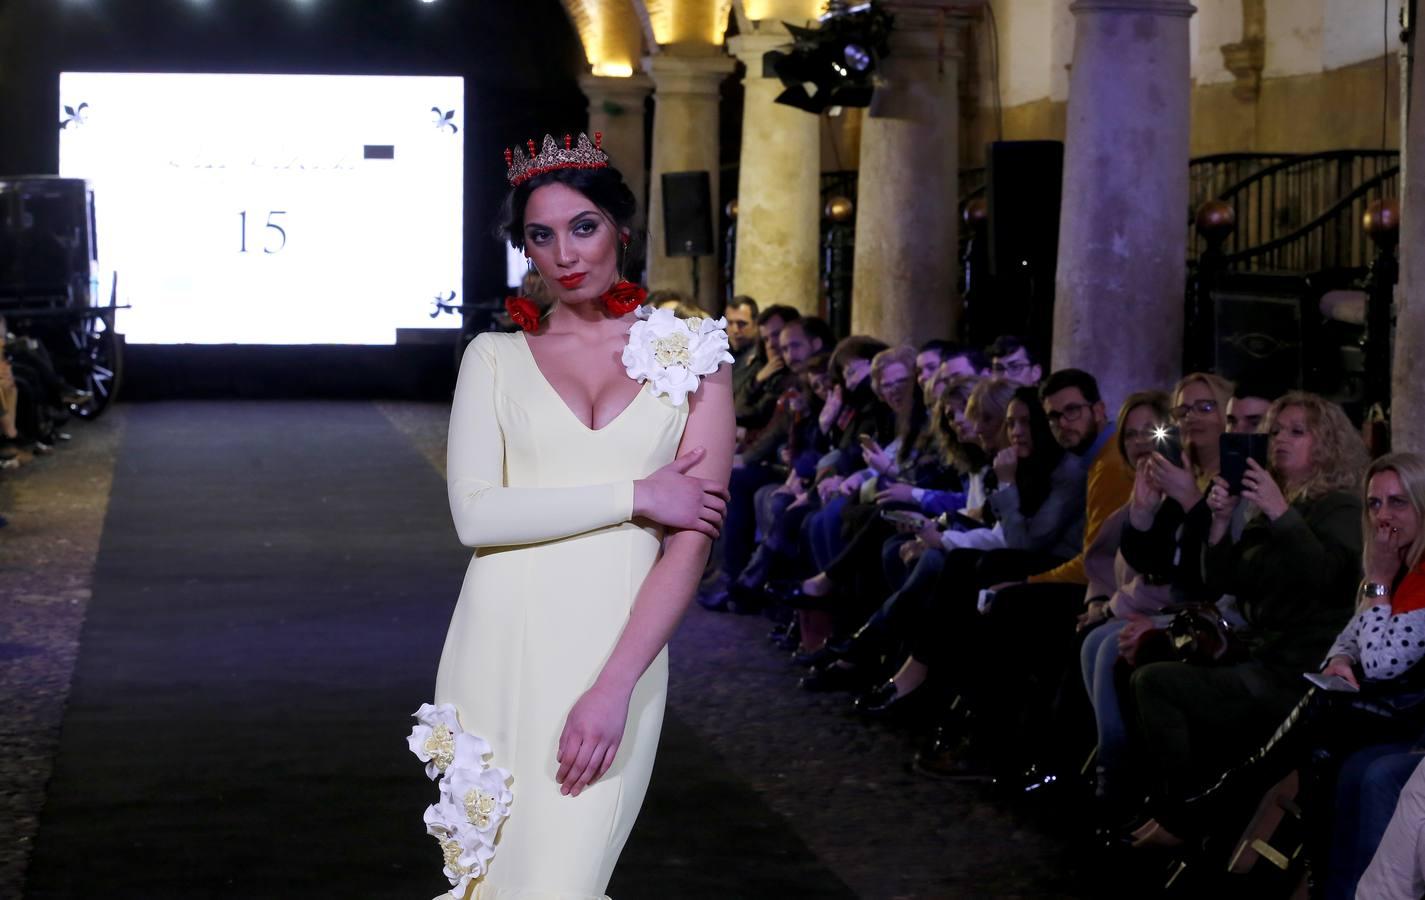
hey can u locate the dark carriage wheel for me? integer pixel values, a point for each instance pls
(102, 354)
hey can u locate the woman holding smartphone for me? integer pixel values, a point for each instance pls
(1293, 569)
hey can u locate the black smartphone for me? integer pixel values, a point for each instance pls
(1236, 449)
(1169, 442)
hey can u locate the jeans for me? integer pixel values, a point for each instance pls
(1366, 792)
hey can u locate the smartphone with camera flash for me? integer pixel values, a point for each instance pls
(1169, 442)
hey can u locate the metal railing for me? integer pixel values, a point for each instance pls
(1296, 212)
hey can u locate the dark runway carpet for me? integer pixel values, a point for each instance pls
(270, 599)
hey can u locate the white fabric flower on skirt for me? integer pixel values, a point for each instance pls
(483, 794)
(465, 850)
(674, 353)
(440, 742)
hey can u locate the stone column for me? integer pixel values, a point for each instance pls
(1407, 384)
(1118, 302)
(616, 109)
(778, 187)
(685, 139)
(907, 220)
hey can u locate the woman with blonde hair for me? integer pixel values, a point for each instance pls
(1155, 542)
(1377, 654)
(1294, 569)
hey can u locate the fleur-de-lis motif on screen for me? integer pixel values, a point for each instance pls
(443, 120)
(74, 115)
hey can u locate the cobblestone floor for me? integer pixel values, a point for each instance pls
(56, 506)
(844, 785)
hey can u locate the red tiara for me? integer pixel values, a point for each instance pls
(551, 156)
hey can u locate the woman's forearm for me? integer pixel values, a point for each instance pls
(657, 609)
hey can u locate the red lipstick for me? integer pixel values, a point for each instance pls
(572, 281)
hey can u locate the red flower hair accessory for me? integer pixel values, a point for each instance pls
(523, 312)
(624, 297)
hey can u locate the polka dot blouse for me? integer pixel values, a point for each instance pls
(1388, 638)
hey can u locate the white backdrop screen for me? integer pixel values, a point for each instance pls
(271, 209)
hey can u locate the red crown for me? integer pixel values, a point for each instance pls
(551, 156)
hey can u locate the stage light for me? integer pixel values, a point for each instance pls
(832, 65)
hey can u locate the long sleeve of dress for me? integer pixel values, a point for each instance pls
(487, 513)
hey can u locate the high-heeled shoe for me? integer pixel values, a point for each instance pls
(832, 677)
(790, 593)
(886, 704)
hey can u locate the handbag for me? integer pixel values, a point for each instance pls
(1200, 635)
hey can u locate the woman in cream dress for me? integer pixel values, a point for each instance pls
(591, 500)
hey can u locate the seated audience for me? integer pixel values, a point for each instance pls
(1293, 569)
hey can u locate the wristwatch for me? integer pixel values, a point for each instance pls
(1374, 590)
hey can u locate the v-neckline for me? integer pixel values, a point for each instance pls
(524, 341)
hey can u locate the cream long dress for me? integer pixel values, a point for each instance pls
(547, 504)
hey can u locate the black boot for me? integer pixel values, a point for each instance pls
(1283, 752)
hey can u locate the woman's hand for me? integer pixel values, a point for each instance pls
(1006, 464)
(911, 551)
(929, 535)
(1143, 504)
(591, 738)
(828, 487)
(1341, 665)
(830, 409)
(852, 483)
(900, 492)
(875, 457)
(675, 499)
(1261, 488)
(1223, 505)
(1093, 614)
(1173, 481)
(1131, 635)
(1384, 555)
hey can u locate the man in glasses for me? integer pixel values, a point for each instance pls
(1081, 426)
(1011, 358)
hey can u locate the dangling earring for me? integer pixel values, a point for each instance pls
(625, 296)
(522, 310)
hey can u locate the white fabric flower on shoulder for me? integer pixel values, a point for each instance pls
(440, 742)
(674, 353)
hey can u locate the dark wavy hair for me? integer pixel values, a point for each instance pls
(1035, 474)
(604, 187)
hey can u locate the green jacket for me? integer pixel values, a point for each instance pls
(1295, 579)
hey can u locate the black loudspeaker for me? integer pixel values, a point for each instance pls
(687, 214)
(1023, 180)
(1258, 334)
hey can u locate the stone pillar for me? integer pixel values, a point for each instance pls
(778, 187)
(907, 195)
(685, 139)
(1118, 304)
(616, 109)
(1407, 384)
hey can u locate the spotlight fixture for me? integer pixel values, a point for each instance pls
(832, 65)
